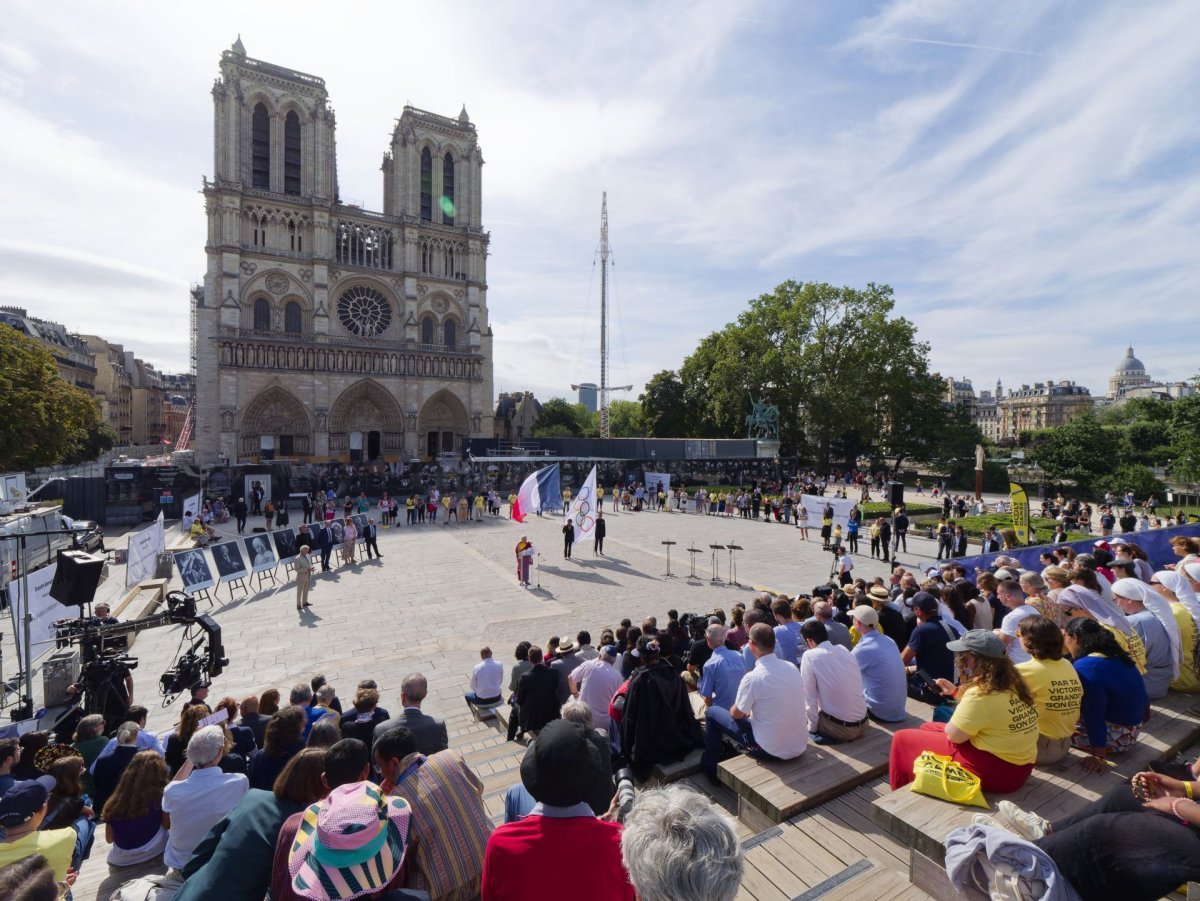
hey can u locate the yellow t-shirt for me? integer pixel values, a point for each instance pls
(1132, 643)
(57, 845)
(1188, 680)
(1057, 694)
(999, 723)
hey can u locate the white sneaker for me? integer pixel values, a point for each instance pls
(1024, 823)
(982, 819)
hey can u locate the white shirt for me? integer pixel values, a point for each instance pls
(598, 681)
(833, 683)
(197, 804)
(770, 694)
(845, 563)
(1008, 625)
(487, 678)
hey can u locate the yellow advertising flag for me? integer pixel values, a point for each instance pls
(1020, 512)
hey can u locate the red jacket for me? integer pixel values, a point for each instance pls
(525, 856)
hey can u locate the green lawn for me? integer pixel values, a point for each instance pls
(975, 526)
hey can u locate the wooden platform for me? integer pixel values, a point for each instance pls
(773, 791)
(1053, 792)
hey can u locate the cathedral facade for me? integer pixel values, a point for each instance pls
(324, 331)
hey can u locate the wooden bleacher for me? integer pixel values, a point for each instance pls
(770, 792)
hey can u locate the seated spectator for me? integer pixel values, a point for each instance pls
(31, 879)
(1080, 600)
(146, 740)
(517, 800)
(629, 659)
(561, 840)
(283, 740)
(89, 741)
(301, 697)
(927, 649)
(199, 695)
(1114, 694)
(839, 633)
(723, 672)
(450, 825)
(189, 722)
(133, 819)
(106, 771)
(1151, 617)
(658, 725)
(595, 683)
(891, 620)
(676, 844)
(268, 702)
(429, 731)
(327, 699)
(993, 732)
(565, 662)
(487, 681)
(767, 719)
(1013, 598)
(241, 737)
(788, 645)
(737, 636)
(537, 695)
(199, 795)
(10, 753)
(520, 668)
(253, 719)
(234, 859)
(360, 721)
(22, 809)
(347, 762)
(324, 734)
(880, 667)
(833, 688)
(25, 767)
(1054, 684)
(68, 807)
(1177, 591)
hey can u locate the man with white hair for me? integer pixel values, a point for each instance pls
(595, 682)
(678, 846)
(1011, 596)
(722, 672)
(838, 633)
(199, 796)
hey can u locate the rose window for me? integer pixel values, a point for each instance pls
(364, 312)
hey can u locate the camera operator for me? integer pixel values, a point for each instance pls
(102, 616)
(108, 683)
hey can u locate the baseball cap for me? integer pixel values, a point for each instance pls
(925, 602)
(199, 684)
(865, 615)
(24, 800)
(979, 641)
(1003, 575)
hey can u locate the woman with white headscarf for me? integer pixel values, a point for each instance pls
(1174, 587)
(1076, 600)
(1150, 615)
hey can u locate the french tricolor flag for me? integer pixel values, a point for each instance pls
(539, 491)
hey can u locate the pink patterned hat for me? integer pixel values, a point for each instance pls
(350, 844)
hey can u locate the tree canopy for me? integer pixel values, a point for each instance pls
(43, 420)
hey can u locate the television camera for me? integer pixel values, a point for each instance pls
(105, 661)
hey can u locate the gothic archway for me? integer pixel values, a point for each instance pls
(443, 424)
(363, 408)
(275, 424)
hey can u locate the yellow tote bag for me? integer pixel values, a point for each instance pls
(941, 777)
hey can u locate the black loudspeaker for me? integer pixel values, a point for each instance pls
(895, 494)
(76, 578)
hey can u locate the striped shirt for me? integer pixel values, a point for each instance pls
(449, 829)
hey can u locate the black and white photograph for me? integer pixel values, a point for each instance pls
(193, 570)
(261, 553)
(285, 544)
(337, 528)
(360, 522)
(230, 562)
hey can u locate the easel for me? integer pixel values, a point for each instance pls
(716, 564)
(694, 551)
(668, 574)
(201, 594)
(262, 576)
(240, 583)
(289, 568)
(733, 549)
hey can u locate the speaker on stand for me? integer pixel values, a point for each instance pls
(76, 578)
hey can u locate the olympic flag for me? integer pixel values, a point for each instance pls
(582, 511)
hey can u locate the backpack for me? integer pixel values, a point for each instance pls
(147, 888)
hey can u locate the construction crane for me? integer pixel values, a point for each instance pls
(605, 389)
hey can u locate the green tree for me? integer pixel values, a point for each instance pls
(918, 426)
(558, 419)
(664, 408)
(101, 437)
(1132, 477)
(43, 420)
(1083, 451)
(625, 419)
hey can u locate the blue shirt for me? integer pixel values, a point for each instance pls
(929, 642)
(885, 684)
(787, 641)
(1112, 693)
(721, 676)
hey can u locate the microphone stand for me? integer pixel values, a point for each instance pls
(539, 570)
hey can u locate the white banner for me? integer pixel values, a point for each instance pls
(652, 480)
(142, 557)
(191, 509)
(46, 611)
(582, 511)
(816, 507)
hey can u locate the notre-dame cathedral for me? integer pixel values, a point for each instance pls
(324, 331)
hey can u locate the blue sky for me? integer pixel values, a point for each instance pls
(1023, 174)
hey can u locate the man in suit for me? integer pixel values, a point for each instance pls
(601, 530)
(370, 535)
(430, 732)
(303, 567)
(537, 696)
(325, 543)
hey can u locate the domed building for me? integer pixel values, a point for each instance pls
(1130, 373)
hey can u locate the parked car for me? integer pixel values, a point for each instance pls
(88, 535)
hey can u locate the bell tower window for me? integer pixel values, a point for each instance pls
(427, 330)
(449, 331)
(448, 189)
(293, 319)
(262, 315)
(291, 154)
(260, 159)
(426, 185)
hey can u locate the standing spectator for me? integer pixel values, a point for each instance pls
(133, 817)
(303, 567)
(767, 719)
(370, 538)
(568, 531)
(325, 543)
(199, 796)
(450, 826)
(283, 739)
(520, 668)
(239, 514)
(658, 725)
(429, 732)
(833, 688)
(880, 667)
(562, 838)
(487, 681)
(349, 540)
(901, 539)
(601, 529)
(537, 695)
